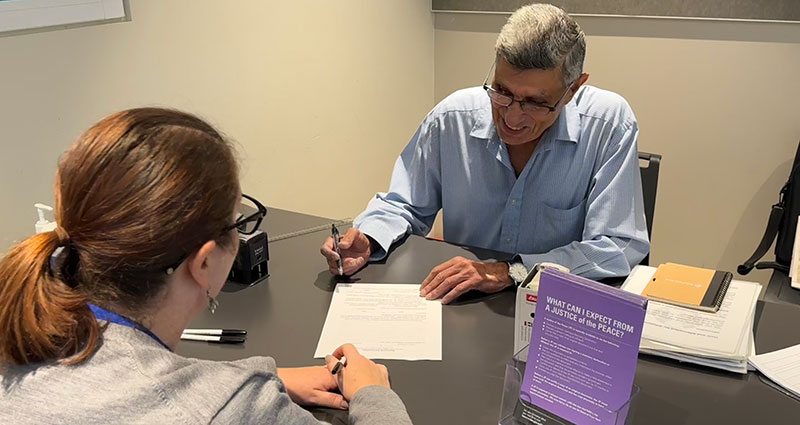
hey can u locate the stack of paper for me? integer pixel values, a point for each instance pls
(722, 340)
(782, 367)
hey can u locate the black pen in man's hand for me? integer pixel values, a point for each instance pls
(335, 236)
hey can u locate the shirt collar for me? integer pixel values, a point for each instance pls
(484, 124)
(567, 126)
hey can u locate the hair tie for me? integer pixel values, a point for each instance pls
(63, 260)
(63, 236)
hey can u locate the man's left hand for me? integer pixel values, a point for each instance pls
(456, 276)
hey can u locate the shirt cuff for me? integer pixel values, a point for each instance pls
(531, 260)
(379, 234)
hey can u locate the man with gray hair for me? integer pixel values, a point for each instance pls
(534, 163)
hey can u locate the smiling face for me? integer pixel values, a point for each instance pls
(539, 86)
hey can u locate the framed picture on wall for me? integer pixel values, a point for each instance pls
(24, 15)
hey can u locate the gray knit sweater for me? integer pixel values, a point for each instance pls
(133, 379)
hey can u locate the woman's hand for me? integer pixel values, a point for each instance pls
(312, 386)
(358, 372)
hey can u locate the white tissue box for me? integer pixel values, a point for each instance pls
(523, 316)
(527, 295)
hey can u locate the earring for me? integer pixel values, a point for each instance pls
(212, 303)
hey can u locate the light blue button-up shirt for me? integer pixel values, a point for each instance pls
(578, 201)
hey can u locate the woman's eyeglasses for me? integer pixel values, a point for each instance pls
(251, 213)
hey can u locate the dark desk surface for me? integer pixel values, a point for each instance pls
(282, 223)
(780, 289)
(284, 317)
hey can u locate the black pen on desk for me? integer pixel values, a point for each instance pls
(233, 339)
(225, 332)
(235, 336)
(335, 237)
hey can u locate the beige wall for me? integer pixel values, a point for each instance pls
(321, 96)
(717, 99)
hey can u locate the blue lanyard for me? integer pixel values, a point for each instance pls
(109, 316)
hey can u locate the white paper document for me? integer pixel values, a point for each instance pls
(782, 367)
(384, 321)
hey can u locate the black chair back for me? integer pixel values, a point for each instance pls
(649, 171)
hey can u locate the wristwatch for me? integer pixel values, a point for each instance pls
(517, 272)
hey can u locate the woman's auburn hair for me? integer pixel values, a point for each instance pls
(136, 193)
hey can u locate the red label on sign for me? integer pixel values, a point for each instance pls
(531, 298)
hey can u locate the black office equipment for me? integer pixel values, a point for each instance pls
(782, 223)
(250, 266)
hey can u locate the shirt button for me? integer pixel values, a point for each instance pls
(508, 240)
(513, 202)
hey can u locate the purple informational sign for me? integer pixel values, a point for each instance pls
(584, 347)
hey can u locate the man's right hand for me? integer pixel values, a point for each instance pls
(355, 248)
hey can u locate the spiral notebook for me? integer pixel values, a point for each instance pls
(690, 287)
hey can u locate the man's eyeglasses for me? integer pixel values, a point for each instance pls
(530, 108)
(251, 213)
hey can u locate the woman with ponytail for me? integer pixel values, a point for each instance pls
(91, 312)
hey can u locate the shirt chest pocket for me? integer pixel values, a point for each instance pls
(557, 227)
